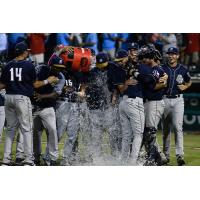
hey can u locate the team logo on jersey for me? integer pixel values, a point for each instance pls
(38, 68)
(156, 74)
(179, 79)
(188, 73)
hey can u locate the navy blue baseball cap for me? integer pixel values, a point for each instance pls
(56, 62)
(20, 48)
(102, 60)
(133, 45)
(173, 50)
(121, 54)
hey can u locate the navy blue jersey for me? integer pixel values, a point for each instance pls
(176, 76)
(149, 92)
(72, 84)
(18, 76)
(110, 74)
(121, 75)
(144, 76)
(43, 72)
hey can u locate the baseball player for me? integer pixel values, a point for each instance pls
(68, 115)
(103, 108)
(44, 111)
(131, 109)
(19, 79)
(154, 105)
(178, 81)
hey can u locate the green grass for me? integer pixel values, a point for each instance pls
(191, 148)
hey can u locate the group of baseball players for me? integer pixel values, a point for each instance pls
(126, 98)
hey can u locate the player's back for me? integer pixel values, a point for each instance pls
(18, 76)
(149, 92)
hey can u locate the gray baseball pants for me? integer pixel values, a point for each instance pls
(132, 122)
(67, 116)
(153, 114)
(45, 118)
(113, 126)
(173, 119)
(2, 120)
(18, 111)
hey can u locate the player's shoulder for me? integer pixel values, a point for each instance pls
(41, 68)
(94, 71)
(160, 69)
(10, 62)
(144, 69)
(143, 66)
(164, 65)
(111, 66)
(25, 63)
(7, 66)
(183, 67)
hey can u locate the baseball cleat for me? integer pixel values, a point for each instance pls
(7, 164)
(46, 162)
(18, 161)
(28, 164)
(53, 163)
(180, 161)
(65, 162)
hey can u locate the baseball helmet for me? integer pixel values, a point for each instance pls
(149, 51)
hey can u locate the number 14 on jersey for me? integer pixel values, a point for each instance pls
(16, 72)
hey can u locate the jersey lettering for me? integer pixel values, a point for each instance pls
(69, 82)
(16, 72)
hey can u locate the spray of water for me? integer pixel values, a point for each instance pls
(100, 131)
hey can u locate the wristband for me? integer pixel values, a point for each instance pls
(45, 82)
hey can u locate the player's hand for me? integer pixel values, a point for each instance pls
(37, 96)
(134, 72)
(131, 82)
(52, 80)
(68, 49)
(181, 87)
(67, 89)
(81, 94)
(164, 78)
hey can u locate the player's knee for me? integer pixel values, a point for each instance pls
(52, 130)
(178, 129)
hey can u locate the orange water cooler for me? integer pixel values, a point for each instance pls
(77, 59)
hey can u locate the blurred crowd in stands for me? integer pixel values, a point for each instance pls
(42, 44)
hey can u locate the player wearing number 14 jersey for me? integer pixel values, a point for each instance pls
(19, 80)
(18, 76)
